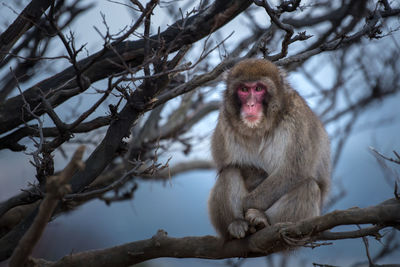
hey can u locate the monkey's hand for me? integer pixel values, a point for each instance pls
(257, 218)
(238, 228)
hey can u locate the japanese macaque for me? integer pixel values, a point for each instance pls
(271, 151)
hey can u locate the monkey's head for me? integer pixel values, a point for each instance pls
(254, 94)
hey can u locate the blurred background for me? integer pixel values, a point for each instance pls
(338, 85)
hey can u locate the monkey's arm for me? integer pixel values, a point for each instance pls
(225, 204)
(271, 190)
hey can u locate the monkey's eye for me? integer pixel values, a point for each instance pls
(244, 89)
(259, 89)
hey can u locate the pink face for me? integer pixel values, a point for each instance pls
(251, 95)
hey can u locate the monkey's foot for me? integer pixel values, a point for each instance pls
(238, 228)
(257, 218)
(285, 234)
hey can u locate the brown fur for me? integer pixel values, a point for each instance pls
(290, 144)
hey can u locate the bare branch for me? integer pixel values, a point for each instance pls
(183, 167)
(397, 160)
(286, 27)
(264, 242)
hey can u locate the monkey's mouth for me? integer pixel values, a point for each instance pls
(251, 120)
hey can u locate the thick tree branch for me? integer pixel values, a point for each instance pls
(11, 140)
(267, 241)
(28, 17)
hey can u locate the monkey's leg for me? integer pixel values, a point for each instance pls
(302, 202)
(225, 204)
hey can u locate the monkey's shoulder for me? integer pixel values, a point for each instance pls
(300, 119)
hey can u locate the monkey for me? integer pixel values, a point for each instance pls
(271, 151)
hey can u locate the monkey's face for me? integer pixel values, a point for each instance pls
(248, 103)
(251, 97)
